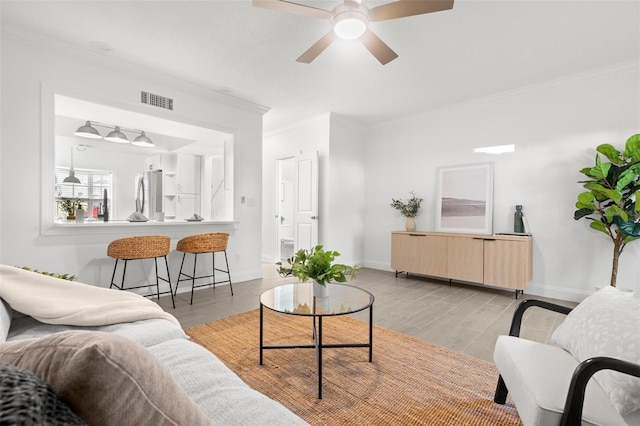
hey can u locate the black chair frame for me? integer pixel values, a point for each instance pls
(574, 403)
(156, 285)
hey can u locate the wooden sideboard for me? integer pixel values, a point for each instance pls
(503, 261)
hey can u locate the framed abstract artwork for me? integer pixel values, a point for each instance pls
(464, 201)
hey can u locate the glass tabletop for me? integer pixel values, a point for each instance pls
(298, 299)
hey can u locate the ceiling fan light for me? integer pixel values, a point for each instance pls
(117, 136)
(350, 25)
(87, 131)
(143, 140)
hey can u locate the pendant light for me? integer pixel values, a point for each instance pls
(143, 140)
(117, 136)
(87, 131)
(72, 174)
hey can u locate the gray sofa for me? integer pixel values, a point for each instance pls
(223, 397)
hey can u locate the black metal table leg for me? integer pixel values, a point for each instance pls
(319, 354)
(261, 333)
(371, 333)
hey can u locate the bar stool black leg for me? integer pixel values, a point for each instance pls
(193, 277)
(155, 261)
(113, 276)
(166, 264)
(180, 273)
(213, 263)
(228, 272)
(124, 272)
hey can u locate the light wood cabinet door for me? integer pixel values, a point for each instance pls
(419, 253)
(435, 261)
(403, 258)
(507, 264)
(466, 259)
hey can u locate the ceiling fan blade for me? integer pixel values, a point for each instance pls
(377, 47)
(402, 8)
(319, 47)
(291, 7)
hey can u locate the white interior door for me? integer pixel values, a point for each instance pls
(306, 202)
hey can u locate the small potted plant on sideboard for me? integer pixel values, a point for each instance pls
(408, 209)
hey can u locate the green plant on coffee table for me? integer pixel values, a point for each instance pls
(611, 200)
(318, 265)
(410, 208)
(50, 274)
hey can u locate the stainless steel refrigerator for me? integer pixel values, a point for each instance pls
(149, 193)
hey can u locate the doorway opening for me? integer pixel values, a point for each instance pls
(285, 209)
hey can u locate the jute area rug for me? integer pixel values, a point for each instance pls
(409, 382)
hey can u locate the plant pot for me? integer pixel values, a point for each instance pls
(410, 224)
(71, 217)
(319, 290)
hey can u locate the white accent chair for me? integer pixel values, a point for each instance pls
(550, 385)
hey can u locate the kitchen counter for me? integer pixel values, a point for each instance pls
(70, 227)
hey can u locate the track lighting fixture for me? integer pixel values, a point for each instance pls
(116, 135)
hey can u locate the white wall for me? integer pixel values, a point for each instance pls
(29, 66)
(555, 127)
(341, 182)
(345, 220)
(309, 136)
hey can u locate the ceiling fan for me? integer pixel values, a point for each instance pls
(350, 21)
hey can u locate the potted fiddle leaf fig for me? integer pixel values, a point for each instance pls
(611, 201)
(318, 265)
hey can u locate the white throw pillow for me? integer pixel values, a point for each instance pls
(606, 323)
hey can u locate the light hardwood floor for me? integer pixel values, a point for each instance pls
(462, 317)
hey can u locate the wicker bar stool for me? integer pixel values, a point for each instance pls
(200, 244)
(137, 248)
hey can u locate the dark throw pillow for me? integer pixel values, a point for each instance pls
(26, 400)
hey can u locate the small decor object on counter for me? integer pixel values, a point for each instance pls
(137, 217)
(408, 209)
(195, 218)
(105, 211)
(80, 215)
(70, 207)
(518, 223)
(318, 265)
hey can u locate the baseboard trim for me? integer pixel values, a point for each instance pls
(555, 292)
(533, 289)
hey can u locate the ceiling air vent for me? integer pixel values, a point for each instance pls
(156, 100)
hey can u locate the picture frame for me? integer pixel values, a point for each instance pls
(464, 201)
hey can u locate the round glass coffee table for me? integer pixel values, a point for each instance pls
(298, 299)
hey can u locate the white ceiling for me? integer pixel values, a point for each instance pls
(476, 49)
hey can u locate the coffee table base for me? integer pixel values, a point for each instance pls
(318, 345)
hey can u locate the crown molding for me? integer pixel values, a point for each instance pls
(316, 118)
(101, 60)
(330, 116)
(558, 83)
